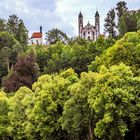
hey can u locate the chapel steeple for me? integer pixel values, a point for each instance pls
(97, 23)
(80, 24)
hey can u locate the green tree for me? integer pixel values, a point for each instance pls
(4, 121)
(121, 9)
(16, 27)
(110, 26)
(77, 118)
(122, 26)
(131, 20)
(55, 35)
(17, 115)
(128, 22)
(115, 100)
(2, 25)
(50, 94)
(8, 52)
(125, 50)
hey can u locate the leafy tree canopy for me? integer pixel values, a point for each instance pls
(125, 50)
(56, 35)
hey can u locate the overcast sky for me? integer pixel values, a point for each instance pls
(61, 14)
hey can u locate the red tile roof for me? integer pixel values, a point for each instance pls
(37, 35)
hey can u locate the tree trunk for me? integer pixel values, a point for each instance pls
(90, 132)
(7, 61)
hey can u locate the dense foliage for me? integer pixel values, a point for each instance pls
(72, 89)
(102, 105)
(126, 50)
(23, 73)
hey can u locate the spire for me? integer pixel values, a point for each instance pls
(88, 24)
(80, 15)
(97, 14)
(40, 29)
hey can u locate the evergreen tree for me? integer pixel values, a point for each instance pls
(121, 8)
(122, 26)
(110, 23)
(16, 27)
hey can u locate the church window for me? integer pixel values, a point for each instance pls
(88, 32)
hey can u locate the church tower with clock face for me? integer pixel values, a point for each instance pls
(90, 32)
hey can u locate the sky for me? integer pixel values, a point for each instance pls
(61, 14)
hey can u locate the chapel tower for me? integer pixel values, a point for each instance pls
(97, 24)
(80, 24)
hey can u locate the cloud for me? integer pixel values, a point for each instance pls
(61, 14)
(35, 13)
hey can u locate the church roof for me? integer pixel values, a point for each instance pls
(36, 35)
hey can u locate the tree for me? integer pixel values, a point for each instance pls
(2, 25)
(17, 115)
(115, 100)
(4, 120)
(78, 118)
(8, 52)
(128, 22)
(125, 50)
(16, 27)
(50, 94)
(121, 9)
(22, 33)
(24, 73)
(110, 26)
(55, 35)
(122, 27)
(131, 20)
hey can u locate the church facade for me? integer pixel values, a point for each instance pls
(90, 32)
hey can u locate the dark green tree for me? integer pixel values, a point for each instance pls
(128, 22)
(9, 50)
(122, 26)
(121, 9)
(2, 25)
(131, 21)
(16, 27)
(55, 35)
(110, 26)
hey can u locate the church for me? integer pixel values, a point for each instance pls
(90, 32)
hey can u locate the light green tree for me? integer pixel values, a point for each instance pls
(78, 118)
(115, 100)
(19, 123)
(50, 94)
(125, 50)
(4, 121)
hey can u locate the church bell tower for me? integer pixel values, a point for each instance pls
(80, 24)
(97, 24)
